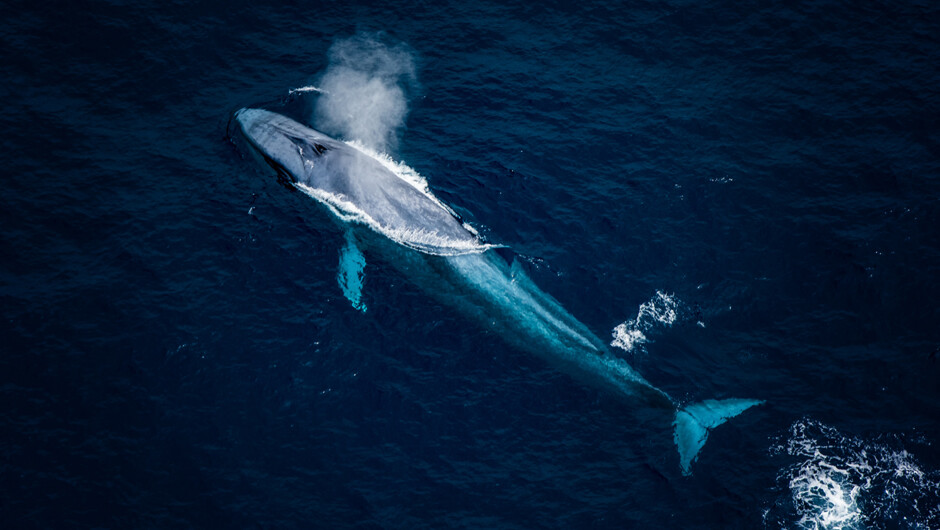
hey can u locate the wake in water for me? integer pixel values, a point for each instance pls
(840, 482)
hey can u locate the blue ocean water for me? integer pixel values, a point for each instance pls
(751, 188)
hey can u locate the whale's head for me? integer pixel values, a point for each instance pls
(287, 146)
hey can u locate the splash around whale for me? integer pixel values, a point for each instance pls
(387, 212)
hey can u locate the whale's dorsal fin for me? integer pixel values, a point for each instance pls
(351, 272)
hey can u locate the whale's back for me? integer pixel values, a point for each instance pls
(357, 185)
(403, 211)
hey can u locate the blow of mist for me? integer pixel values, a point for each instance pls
(365, 91)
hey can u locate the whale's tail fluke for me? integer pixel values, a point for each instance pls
(693, 422)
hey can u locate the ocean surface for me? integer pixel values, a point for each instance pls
(744, 198)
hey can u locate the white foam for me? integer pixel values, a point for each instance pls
(409, 175)
(841, 482)
(827, 497)
(660, 310)
(402, 170)
(627, 336)
(424, 241)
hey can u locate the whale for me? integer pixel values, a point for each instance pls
(384, 211)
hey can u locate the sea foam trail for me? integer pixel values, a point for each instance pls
(840, 482)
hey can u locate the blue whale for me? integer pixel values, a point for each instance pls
(399, 219)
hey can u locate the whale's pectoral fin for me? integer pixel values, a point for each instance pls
(351, 272)
(694, 421)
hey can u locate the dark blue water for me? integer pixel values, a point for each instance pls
(176, 351)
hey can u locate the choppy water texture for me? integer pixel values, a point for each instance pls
(763, 180)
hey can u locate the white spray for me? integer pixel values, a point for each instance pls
(364, 90)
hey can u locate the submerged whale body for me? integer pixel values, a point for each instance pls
(401, 220)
